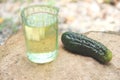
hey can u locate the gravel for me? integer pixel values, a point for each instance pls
(74, 15)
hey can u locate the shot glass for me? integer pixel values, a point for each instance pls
(40, 25)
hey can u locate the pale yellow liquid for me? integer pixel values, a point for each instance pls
(41, 37)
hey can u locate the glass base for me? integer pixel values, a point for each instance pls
(42, 57)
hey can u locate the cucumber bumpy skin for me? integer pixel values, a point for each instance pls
(81, 44)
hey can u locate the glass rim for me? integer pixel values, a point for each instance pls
(25, 8)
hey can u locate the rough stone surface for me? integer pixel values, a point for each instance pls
(14, 64)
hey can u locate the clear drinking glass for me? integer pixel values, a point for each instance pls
(40, 24)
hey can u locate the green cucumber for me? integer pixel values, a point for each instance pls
(81, 44)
